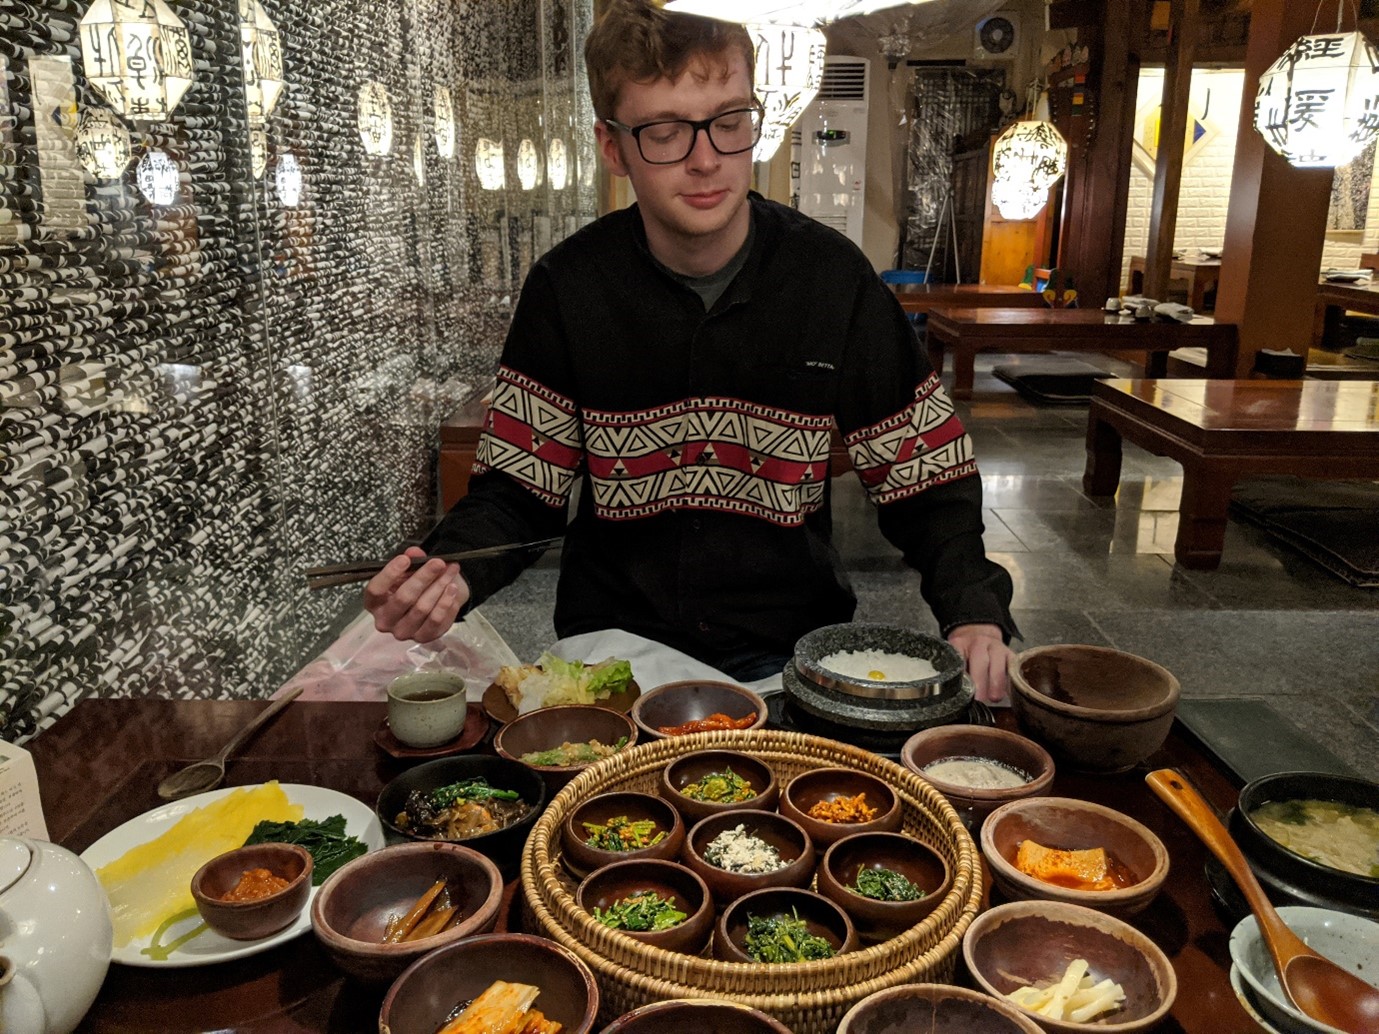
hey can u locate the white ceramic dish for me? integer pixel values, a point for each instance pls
(209, 947)
(1350, 941)
(1246, 998)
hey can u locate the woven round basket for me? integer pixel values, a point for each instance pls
(809, 997)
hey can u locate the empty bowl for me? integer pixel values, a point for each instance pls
(695, 1016)
(821, 917)
(548, 728)
(352, 911)
(1094, 708)
(1010, 751)
(876, 920)
(934, 1009)
(883, 662)
(790, 841)
(1032, 942)
(607, 886)
(694, 767)
(274, 905)
(676, 703)
(827, 787)
(1137, 857)
(581, 858)
(422, 999)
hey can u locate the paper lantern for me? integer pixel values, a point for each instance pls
(445, 123)
(102, 144)
(1018, 200)
(789, 71)
(1027, 160)
(558, 164)
(375, 118)
(258, 152)
(528, 165)
(157, 175)
(488, 164)
(261, 47)
(288, 179)
(1318, 104)
(137, 55)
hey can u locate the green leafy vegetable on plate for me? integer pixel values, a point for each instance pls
(329, 844)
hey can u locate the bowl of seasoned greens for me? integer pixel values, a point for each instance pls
(616, 827)
(783, 925)
(710, 782)
(561, 742)
(885, 882)
(741, 851)
(652, 900)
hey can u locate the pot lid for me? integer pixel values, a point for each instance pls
(15, 856)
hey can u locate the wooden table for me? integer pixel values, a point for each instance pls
(1222, 431)
(99, 763)
(924, 298)
(968, 331)
(1200, 277)
(1332, 302)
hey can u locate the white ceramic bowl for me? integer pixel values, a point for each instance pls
(1350, 941)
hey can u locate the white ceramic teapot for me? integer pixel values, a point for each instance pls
(55, 937)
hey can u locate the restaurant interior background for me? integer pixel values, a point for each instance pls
(200, 395)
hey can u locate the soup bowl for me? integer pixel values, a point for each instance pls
(983, 742)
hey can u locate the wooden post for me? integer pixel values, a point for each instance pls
(1168, 161)
(1276, 221)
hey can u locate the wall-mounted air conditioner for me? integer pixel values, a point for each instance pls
(833, 148)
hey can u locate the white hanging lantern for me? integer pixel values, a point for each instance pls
(445, 123)
(157, 178)
(1318, 104)
(137, 55)
(288, 179)
(1018, 200)
(1027, 160)
(375, 118)
(789, 71)
(558, 164)
(261, 47)
(258, 152)
(102, 144)
(528, 165)
(488, 164)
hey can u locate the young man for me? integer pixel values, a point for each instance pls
(685, 359)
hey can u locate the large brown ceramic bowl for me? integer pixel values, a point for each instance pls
(423, 997)
(917, 862)
(828, 784)
(822, 917)
(250, 920)
(785, 835)
(1068, 824)
(690, 768)
(1009, 749)
(934, 1009)
(1094, 708)
(350, 912)
(581, 859)
(676, 703)
(1032, 942)
(548, 727)
(605, 887)
(695, 1016)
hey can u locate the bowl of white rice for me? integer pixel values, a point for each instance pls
(882, 662)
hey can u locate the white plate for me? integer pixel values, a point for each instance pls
(1245, 996)
(209, 947)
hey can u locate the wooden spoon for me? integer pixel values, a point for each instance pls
(1315, 985)
(200, 776)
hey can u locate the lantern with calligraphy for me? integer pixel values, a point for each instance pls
(557, 162)
(263, 60)
(375, 118)
(789, 72)
(288, 179)
(137, 55)
(528, 165)
(445, 123)
(1027, 160)
(157, 178)
(258, 152)
(1318, 104)
(102, 144)
(488, 164)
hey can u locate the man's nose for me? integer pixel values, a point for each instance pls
(703, 155)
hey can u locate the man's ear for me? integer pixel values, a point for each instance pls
(608, 147)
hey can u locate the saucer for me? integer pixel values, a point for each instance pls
(471, 735)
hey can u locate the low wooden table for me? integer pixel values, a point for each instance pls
(1225, 430)
(925, 298)
(1332, 302)
(1200, 277)
(968, 331)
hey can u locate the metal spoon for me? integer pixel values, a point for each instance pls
(1316, 985)
(200, 776)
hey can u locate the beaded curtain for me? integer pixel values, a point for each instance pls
(199, 398)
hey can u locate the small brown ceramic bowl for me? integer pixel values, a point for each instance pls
(830, 784)
(1096, 709)
(1032, 942)
(785, 835)
(916, 861)
(548, 727)
(1067, 824)
(423, 997)
(981, 742)
(351, 911)
(260, 917)
(607, 886)
(695, 1016)
(934, 1009)
(676, 703)
(581, 859)
(691, 768)
(821, 916)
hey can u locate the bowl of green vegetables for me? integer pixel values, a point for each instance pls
(885, 882)
(616, 827)
(652, 900)
(561, 742)
(783, 925)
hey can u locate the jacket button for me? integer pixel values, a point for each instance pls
(703, 626)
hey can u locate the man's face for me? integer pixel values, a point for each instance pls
(695, 206)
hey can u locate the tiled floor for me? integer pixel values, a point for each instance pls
(1268, 624)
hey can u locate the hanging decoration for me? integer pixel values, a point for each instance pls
(445, 123)
(528, 165)
(261, 47)
(157, 176)
(789, 71)
(102, 144)
(1318, 104)
(288, 179)
(488, 164)
(375, 118)
(558, 164)
(1027, 160)
(137, 55)
(258, 152)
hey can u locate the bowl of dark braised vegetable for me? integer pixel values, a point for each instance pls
(885, 882)
(561, 742)
(487, 803)
(651, 900)
(616, 827)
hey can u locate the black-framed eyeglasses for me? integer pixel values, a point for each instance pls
(671, 141)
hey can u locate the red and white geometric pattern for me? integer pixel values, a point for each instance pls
(921, 446)
(531, 434)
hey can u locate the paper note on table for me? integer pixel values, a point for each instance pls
(21, 811)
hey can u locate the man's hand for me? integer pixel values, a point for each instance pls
(984, 650)
(415, 604)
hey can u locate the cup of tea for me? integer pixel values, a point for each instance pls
(427, 708)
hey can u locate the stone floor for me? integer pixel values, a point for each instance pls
(1267, 625)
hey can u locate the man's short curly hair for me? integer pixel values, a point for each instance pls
(638, 41)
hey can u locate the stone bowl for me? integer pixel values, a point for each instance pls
(690, 768)
(826, 784)
(695, 1016)
(676, 703)
(979, 741)
(548, 727)
(612, 883)
(934, 1009)
(1094, 708)
(822, 917)
(785, 835)
(916, 861)
(260, 917)
(581, 859)
(812, 649)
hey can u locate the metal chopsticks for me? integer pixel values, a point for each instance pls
(363, 570)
